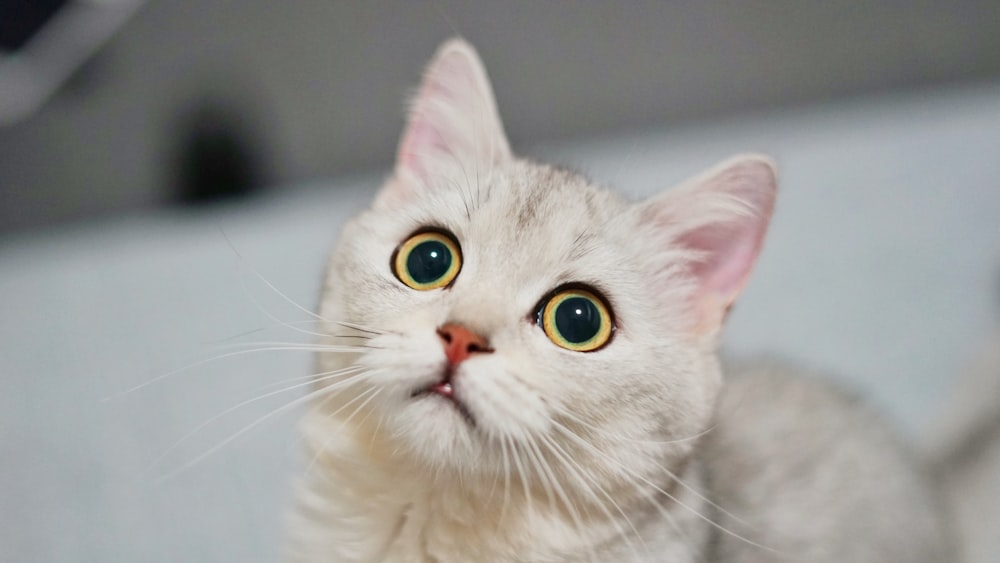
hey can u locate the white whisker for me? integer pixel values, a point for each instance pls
(194, 431)
(360, 328)
(235, 436)
(270, 348)
(539, 469)
(506, 479)
(260, 307)
(570, 506)
(523, 474)
(669, 473)
(573, 436)
(282, 324)
(580, 474)
(313, 377)
(268, 283)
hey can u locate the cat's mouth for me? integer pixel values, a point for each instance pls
(445, 389)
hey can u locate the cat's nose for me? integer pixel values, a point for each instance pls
(460, 343)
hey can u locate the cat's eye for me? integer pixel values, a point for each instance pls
(576, 319)
(427, 260)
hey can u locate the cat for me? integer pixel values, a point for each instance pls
(522, 366)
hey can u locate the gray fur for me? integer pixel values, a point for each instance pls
(817, 475)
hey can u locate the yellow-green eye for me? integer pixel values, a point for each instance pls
(427, 260)
(577, 320)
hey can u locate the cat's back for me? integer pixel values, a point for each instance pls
(810, 472)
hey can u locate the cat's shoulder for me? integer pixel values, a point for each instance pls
(776, 421)
(793, 419)
(791, 450)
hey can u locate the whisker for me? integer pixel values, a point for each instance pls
(635, 440)
(312, 377)
(194, 431)
(260, 307)
(199, 363)
(543, 479)
(235, 436)
(361, 406)
(360, 328)
(573, 436)
(381, 421)
(506, 480)
(570, 506)
(326, 442)
(352, 401)
(244, 334)
(493, 488)
(669, 473)
(683, 535)
(323, 447)
(580, 474)
(264, 280)
(283, 324)
(524, 476)
(300, 346)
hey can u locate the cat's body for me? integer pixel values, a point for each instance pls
(522, 367)
(964, 445)
(817, 475)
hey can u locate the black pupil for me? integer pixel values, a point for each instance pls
(577, 319)
(428, 261)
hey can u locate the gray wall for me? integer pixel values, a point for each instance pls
(320, 84)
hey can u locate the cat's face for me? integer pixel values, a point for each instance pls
(502, 305)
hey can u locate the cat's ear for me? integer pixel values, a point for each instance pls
(717, 222)
(453, 130)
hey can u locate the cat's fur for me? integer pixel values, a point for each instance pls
(638, 451)
(965, 447)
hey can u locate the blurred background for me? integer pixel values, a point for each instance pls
(173, 173)
(187, 100)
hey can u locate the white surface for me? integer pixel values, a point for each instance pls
(879, 269)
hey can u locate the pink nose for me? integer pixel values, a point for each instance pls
(460, 343)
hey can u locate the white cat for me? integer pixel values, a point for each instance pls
(522, 367)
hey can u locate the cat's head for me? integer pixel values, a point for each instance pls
(492, 304)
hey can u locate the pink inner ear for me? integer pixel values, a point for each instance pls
(423, 138)
(729, 256)
(453, 118)
(422, 141)
(728, 211)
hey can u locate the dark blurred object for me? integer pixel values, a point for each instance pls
(43, 43)
(216, 159)
(20, 19)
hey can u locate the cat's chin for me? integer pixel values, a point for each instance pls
(437, 428)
